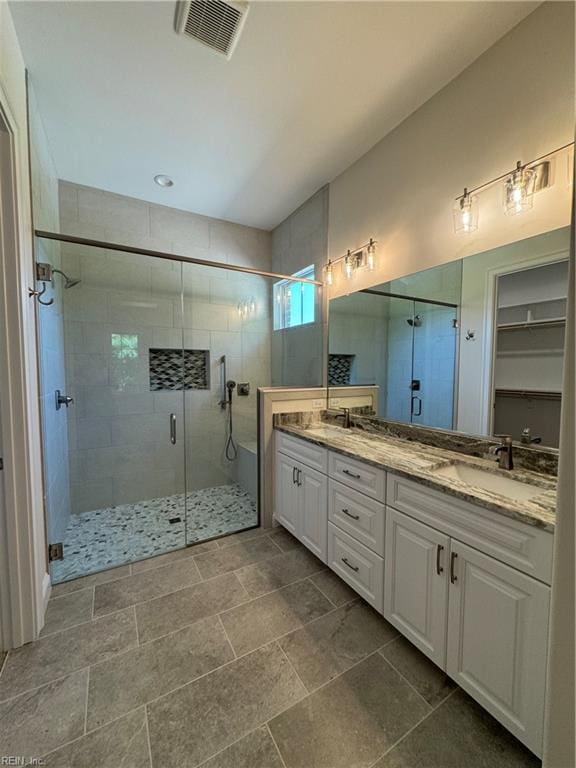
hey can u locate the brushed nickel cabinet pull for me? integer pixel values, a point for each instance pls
(453, 577)
(354, 517)
(352, 567)
(294, 470)
(352, 474)
(439, 568)
(173, 428)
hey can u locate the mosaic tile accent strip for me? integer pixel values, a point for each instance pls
(105, 538)
(173, 369)
(340, 369)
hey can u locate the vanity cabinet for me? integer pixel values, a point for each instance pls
(301, 495)
(466, 585)
(485, 623)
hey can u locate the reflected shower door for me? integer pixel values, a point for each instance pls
(433, 365)
(114, 456)
(399, 360)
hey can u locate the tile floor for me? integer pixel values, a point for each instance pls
(245, 652)
(105, 538)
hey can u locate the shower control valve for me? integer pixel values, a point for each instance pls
(244, 389)
(62, 400)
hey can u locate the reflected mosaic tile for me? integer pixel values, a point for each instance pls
(340, 369)
(105, 538)
(173, 369)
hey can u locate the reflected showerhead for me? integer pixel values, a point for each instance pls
(69, 282)
(415, 321)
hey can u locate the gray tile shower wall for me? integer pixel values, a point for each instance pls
(126, 304)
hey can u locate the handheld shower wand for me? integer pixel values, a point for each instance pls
(231, 451)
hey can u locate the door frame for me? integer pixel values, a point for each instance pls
(24, 581)
(489, 331)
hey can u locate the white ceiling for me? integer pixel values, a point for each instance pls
(310, 88)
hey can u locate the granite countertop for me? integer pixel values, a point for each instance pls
(417, 461)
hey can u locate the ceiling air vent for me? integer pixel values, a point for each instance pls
(213, 23)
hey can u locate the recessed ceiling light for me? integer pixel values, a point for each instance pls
(163, 181)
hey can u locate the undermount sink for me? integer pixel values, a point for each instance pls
(488, 481)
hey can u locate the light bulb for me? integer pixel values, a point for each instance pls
(329, 274)
(465, 214)
(371, 255)
(348, 266)
(518, 191)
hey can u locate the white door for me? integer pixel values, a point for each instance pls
(497, 640)
(286, 508)
(416, 583)
(313, 492)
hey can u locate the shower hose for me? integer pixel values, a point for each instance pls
(231, 450)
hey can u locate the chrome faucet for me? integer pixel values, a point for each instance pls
(346, 416)
(503, 452)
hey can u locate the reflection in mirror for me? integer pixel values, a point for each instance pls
(475, 345)
(401, 336)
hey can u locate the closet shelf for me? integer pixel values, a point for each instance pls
(548, 323)
(528, 393)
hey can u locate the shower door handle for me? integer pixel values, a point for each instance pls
(173, 428)
(417, 400)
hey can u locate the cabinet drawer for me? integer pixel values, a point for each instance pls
(357, 514)
(312, 455)
(357, 565)
(525, 547)
(358, 475)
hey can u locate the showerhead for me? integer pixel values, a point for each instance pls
(230, 385)
(69, 282)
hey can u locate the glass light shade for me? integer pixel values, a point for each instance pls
(371, 256)
(517, 192)
(348, 266)
(465, 214)
(329, 274)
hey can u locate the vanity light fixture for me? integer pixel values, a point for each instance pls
(466, 214)
(520, 185)
(364, 256)
(518, 191)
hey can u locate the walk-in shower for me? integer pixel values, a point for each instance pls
(157, 449)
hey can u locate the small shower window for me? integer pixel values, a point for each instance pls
(294, 302)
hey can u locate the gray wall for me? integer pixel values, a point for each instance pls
(301, 240)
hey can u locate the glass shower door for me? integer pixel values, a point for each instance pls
(227, 333)
(112, 340)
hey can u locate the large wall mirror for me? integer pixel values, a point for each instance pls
(475, 345)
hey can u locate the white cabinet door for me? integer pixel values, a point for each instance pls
(416, 583)
(497, 640)
(313, 513)
(286, 506)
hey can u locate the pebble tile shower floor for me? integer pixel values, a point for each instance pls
(241, 652)
(104, 538)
